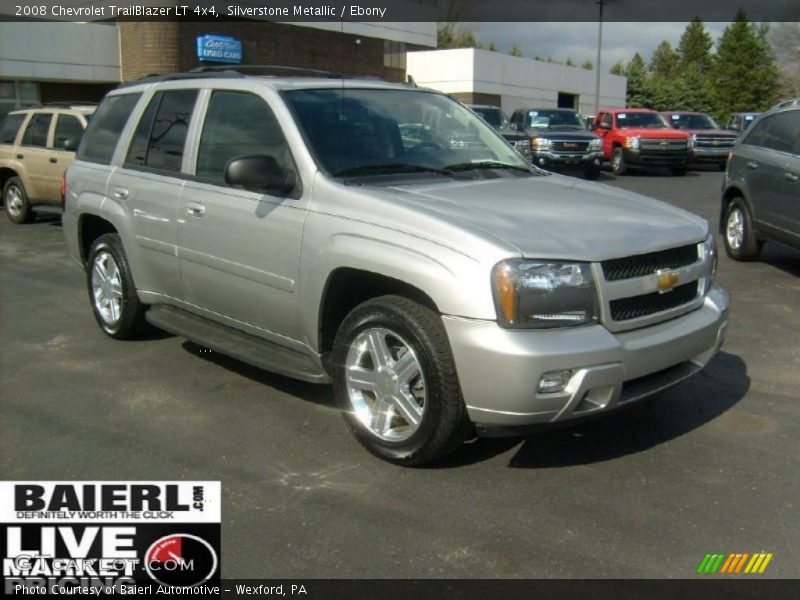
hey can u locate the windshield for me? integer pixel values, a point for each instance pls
(554, 119)
(640, 119)
(493, 116)
(689, 121)
(378, 131)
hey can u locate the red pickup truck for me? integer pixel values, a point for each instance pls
(643, 138)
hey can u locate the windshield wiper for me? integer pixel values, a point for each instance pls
(485, 164)
(390, 168)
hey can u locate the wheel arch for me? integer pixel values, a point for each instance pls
(6, 173)
(91, 227)
(732, 192)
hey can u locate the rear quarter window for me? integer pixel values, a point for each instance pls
(103, 132)
(10, 127)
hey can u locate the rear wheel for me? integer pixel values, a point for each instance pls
(16, 201)
(112, 292)
(618, 164)
(740, 239)
(396, 382)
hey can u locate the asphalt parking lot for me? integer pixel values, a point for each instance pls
(709, 466)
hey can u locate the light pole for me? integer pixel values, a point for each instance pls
(600, 3)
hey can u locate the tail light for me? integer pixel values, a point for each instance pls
(63, 191)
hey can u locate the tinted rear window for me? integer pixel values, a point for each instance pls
(104, 129)
(37, 130)
(10, 127)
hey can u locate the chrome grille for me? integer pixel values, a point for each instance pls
(663, 145)
(647, 264)
(625, 309)
(570, 147)
(715, 141)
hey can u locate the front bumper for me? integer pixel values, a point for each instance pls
(499, 369)
(656, 159)
(565, 162)
(711, 155)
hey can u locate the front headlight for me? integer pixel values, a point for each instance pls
(530, 294)
(632, 143)
(595, 145)
(710, 253)
(541, 143)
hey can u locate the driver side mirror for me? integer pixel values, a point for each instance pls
(260, 173)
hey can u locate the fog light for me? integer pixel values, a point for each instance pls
(541, 161)
(554, 381)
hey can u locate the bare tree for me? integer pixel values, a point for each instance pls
(785, 41)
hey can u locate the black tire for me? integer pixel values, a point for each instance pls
(444, 424)
(592, 173)
(15, 200)
(750, 247)
(618, 165)
(129, 322)
(678, 171)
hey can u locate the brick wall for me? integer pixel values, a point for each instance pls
(477, 98)
(160, 47)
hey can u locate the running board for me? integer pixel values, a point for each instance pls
(242, 346)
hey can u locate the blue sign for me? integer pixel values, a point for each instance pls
(217, 48)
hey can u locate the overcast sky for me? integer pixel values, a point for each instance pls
(579, 40)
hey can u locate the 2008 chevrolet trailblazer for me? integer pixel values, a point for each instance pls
(383, 237)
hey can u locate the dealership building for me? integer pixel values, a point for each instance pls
(66, 61)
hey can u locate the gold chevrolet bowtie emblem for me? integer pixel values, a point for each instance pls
(664, 143)
(666, 280)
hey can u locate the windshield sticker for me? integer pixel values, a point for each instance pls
(542, 122)
(675, 117)
(622, 116)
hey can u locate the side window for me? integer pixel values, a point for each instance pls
(238, 124)
(102, 134)
(783, 132)
(758, 134)
(10, 128)
(137, 152)
(68, 127)
(167, 132)
(608, 119)
(37, 129)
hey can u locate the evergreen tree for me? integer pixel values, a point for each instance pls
(569, 62)
(452, 35)
(639, 91)
(665, 60)
(588, 65)
(492, 47)
(618, 68)
(515, 51)
(695, 46)
(745, 75)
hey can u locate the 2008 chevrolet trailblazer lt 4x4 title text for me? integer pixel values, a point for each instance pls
(444, 289)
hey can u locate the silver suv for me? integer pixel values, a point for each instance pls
(330, 230)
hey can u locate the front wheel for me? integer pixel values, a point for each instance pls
(396, 383)
(112, 292)
(618, 164)
(740, 239)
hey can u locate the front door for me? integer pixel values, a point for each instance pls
(239, 250)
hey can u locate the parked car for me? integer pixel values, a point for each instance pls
(762, 185)
(712, 144)
(36, 147)
(495, 116)
(560, 140)
(740, 121)
(444, 290)
(642, 138)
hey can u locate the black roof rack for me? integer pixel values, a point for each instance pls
(177, 76)
(67, 104)
(246, 69)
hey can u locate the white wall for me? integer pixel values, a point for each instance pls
(422, 34)
(520, 82)
(59, 52)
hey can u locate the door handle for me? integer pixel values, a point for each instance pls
(54, 160)
(752, 165)
(195, 209)
(20, 156)
(790, 177)
(120, 193)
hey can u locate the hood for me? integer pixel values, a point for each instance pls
(712, 132)
(562, 134)
(654, 132)
(511, 134)
(554, 216)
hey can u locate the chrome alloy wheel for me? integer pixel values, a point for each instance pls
(734, 228)
(14, 202)
(385, 384)
(107, 288)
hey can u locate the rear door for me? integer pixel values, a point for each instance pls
(34, 154)
(149, 185)
(239, 250)
(784, 141)
(760, 170)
